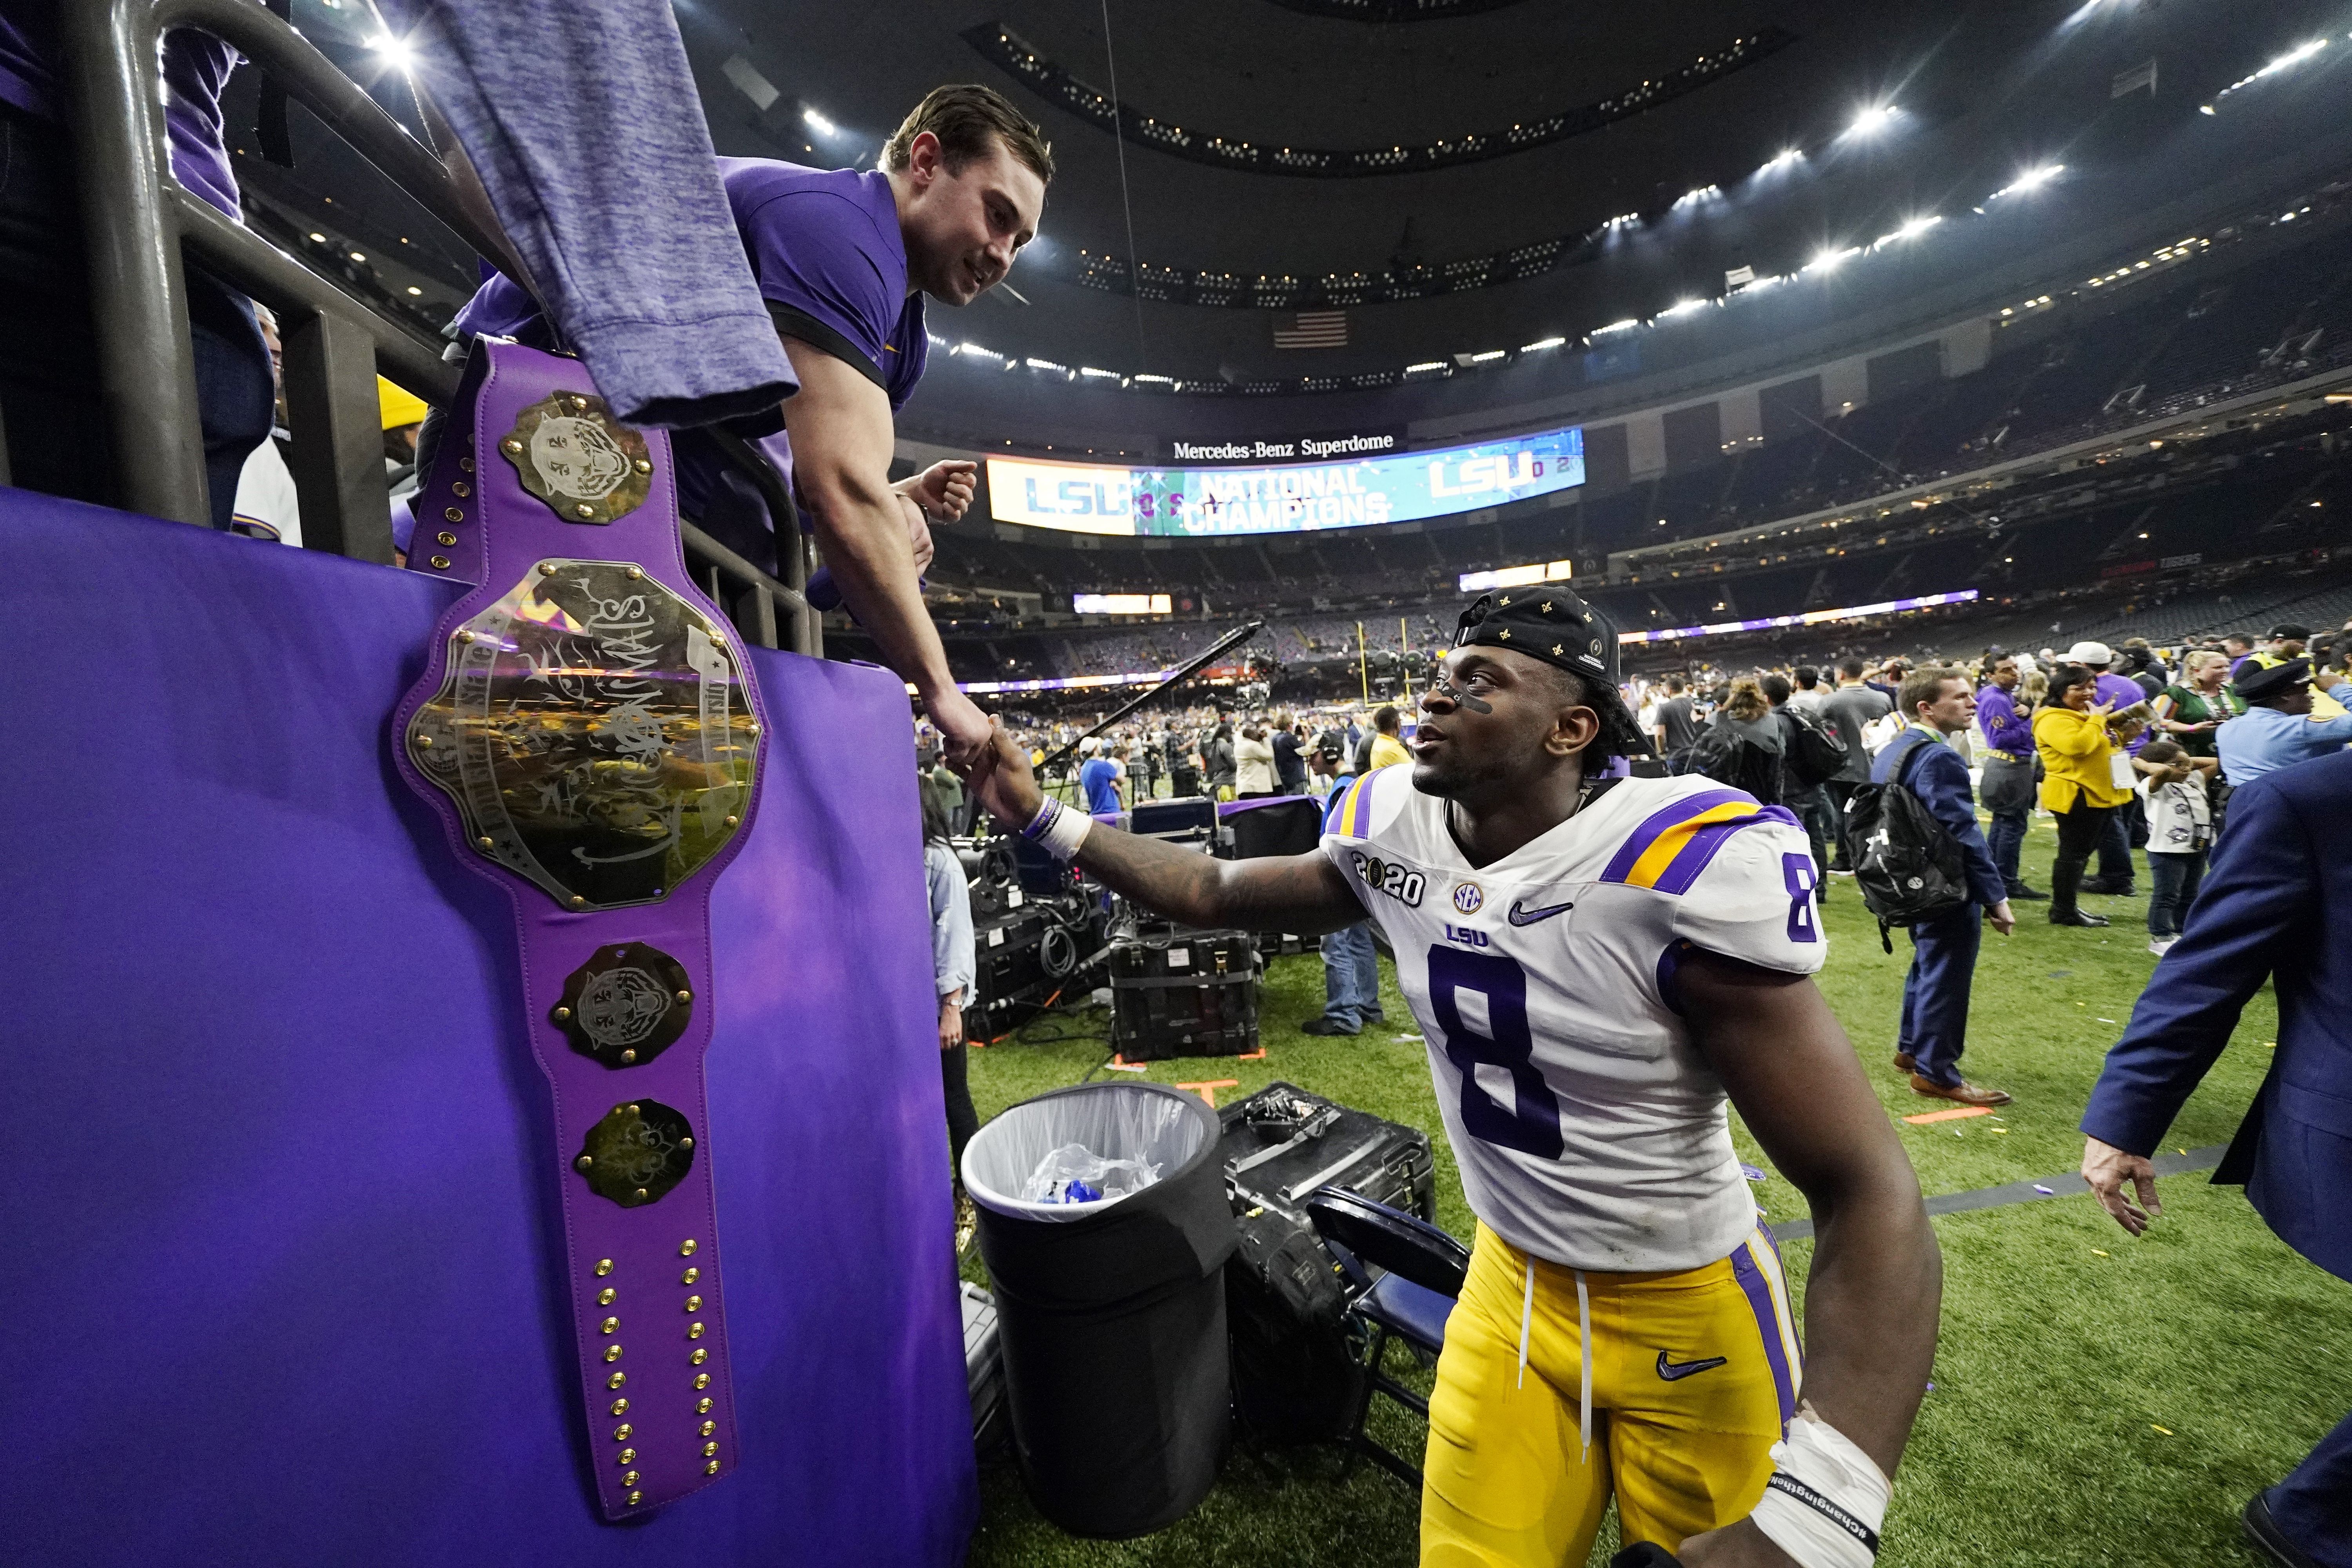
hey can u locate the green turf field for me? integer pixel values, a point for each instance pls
(2097, 1400)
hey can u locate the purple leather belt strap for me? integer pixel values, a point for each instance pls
(589, 737)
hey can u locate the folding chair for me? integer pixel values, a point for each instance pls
(1402, 1277)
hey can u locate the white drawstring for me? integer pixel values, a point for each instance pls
(1584, 1340)
(1527, 1319)
(1584, 1347)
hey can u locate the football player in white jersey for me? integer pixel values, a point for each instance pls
(1595, 964)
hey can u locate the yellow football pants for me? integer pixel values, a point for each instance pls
(1695, 1377)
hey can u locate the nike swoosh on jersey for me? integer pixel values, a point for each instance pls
(1519, 916)
(1675, 1372)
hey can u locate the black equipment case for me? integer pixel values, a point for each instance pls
(1025, 956)
(1184, 994)
(1296, 1377)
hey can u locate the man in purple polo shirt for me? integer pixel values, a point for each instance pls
(843, 260)
(2007, 785)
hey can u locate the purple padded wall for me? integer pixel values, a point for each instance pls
(278, 1266)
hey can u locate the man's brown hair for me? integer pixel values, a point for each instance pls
(1925, 686)
(969, 121)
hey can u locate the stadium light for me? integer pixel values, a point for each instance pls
(976, 351)
(1682, 308)
(1692, 197)
(1425, 365)
(2294, 56)
(1091, 370)
(1627, 325)
(1873, 120)
(1542, 343)
(1911, 229)
(2031, 180)
(819, 123)
(1829, 259)
(1784, 158)
(1488, 357)
(398, 53)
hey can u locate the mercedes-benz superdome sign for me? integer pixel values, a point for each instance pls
(1091, 498)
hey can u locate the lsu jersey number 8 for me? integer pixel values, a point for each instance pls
(1588, 1130)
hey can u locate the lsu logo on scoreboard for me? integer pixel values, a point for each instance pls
(1402, 883)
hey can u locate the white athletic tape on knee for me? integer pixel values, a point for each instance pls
(1826, 1500)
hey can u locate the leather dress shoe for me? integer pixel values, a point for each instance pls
(1329, 1026)
(2022, 894)
(2108, 889)
(1965, 1092)
(2076, 918)
(2270, 1541)
(1905, 1061)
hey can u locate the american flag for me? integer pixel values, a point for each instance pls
(1311, 330)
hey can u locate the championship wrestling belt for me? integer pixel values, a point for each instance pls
(590, 736)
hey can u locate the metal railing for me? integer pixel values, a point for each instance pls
(136, 219)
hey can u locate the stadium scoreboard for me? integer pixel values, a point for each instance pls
(1208, 502)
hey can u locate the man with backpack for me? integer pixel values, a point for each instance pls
(1847, 709)
(1936, 702)
(1811, 755)
(1742, 745)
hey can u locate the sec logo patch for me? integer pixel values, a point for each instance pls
(1469, 897)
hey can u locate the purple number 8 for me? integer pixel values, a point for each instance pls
(1802, 877)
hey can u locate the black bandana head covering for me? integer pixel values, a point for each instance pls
(1547, 622)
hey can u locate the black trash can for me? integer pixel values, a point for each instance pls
(1111, 1314)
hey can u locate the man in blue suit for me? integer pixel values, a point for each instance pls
(2275, 906)
(1938, 703)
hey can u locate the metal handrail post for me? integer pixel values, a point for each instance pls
(138, 295)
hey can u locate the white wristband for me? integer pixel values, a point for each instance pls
(1826, 1500)
(1058, 830)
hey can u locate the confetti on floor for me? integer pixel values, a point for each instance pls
(1954, 1115)
(2045, 1192)
(2101, 1253)
(2154, 1427)
(2106, 1020)
(1751, 1173)
(2002, 1130)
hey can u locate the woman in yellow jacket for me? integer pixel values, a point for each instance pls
(2070, 731)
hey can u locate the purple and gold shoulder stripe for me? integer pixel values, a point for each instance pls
(1674, 844)
(1351, 815)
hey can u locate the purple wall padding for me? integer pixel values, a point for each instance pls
(278, 1266)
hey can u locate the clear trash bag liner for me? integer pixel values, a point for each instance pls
(1117, 1142)
(1075, 1174)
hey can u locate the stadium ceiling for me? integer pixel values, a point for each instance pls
(1638, 180)
(1486, 249)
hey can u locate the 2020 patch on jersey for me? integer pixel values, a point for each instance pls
(1588, 1129)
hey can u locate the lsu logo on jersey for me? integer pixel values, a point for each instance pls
(1402, 883)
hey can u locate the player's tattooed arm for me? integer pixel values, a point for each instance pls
(1876, 1283)
(1301, 893)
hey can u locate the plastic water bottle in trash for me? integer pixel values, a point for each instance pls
(1075, 1174)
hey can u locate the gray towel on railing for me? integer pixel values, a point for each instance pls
(582, 118)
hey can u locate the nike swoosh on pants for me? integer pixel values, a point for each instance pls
(1675, 1372)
